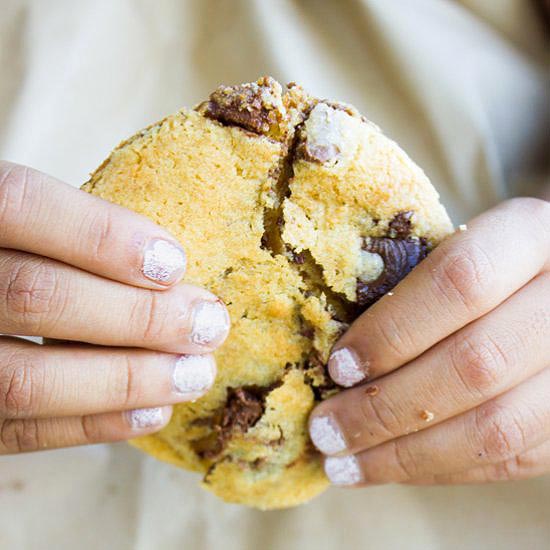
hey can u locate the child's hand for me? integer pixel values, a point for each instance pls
(457, 361)
(74, 267)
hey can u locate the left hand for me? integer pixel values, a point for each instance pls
(453, 367)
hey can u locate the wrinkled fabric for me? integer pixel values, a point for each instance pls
(459, 84)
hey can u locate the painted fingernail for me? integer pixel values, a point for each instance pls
(326, 435)
(210, 322)
(140, 419)
(163, 261)
(344, 368)
(193, 374)
(343, 470)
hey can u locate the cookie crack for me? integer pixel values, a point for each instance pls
(249, 402)
(272, 240)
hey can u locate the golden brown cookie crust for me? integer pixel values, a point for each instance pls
(275, 206)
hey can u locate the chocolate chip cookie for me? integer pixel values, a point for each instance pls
(300, 214)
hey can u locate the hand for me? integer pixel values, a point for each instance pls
(75, 267)
(454, 367)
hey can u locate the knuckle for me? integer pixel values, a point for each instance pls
(480, 363)
(20, 436)
(18, 385)
(123, 388)
(30, 288)
(500, 433)
(126, 387)
(405, 461)
(98, 235)
(90, 429)
(465, 275)
(149, 316)
(392, 335)
(15, 182)
(381, 417)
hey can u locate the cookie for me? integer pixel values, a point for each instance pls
(300, 214)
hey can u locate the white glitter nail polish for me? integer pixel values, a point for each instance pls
(210, 322)
(326, 435)
(161, 260)
(145, 418)
(344, 368)
(343, 470)
(193, 374)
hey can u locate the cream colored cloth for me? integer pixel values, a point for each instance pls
(459, 84)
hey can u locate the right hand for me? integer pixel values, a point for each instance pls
(76, 268)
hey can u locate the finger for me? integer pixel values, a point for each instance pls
(50, 381)
(483, 360)
(466, 276)
(43, 297)
(532, 463)
(43, 215)
(494, 432)
(22, 436)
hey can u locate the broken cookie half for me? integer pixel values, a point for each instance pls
(300, 214)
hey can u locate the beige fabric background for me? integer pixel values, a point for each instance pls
(459, 84)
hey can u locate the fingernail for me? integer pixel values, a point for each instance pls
(343, 470)
(145, 418)
(344, 368)
(193, 374)
(326, 435)
(210, 322)
(163, 261)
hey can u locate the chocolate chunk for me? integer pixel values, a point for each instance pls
(256, 106)
(399, 256)
(400, 226)
(243, 408)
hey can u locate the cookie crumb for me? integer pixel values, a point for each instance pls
(371, 391)
(462, 227)
(427, 416)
